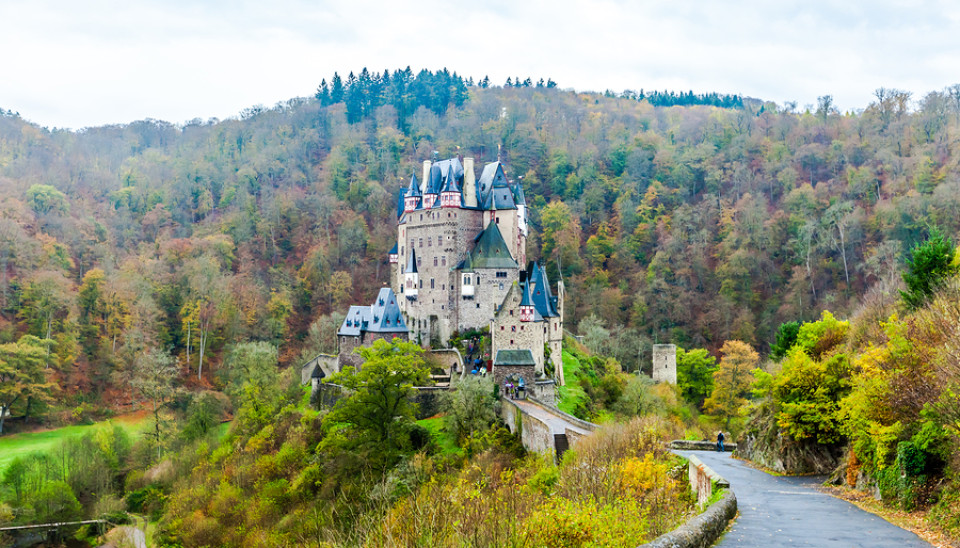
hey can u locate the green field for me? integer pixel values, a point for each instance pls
(571, 394)
(447, 444)
(15, 445)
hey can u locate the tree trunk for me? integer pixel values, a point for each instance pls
(3, 415)
(843, 251)
(189, 324)
(203, 343)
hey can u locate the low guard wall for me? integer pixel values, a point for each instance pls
(704, 529)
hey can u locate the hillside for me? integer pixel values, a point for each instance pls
(690, 224)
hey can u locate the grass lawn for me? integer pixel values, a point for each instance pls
(570, 394)
(448, 445)
(15, 445)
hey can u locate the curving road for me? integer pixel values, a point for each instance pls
(790, 511)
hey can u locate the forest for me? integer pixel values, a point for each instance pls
(160, 266)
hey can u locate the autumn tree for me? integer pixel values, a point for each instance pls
(731, 380)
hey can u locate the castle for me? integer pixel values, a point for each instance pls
(460, 264)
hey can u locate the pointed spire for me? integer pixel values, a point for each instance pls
(414, 188)
(412, 262)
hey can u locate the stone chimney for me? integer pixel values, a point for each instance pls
(469, 183)
(426, 176)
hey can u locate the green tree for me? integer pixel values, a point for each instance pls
(55, 502)
(732, 380)
(786, 338)
(377, 415)
(23, 374)
(44, 199)
(253, 382)
(695, 369)
(929, 264)
(471, 408)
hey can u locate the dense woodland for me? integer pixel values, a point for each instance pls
(136, 254)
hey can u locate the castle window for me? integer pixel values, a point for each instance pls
(429, 241)
(498, 220)
(421, 216)
(421, 284)
(513, 327)
(511, 312)
(401, 250)
(511, 341)
(521, 328)
(478, 305)
(501, 286)
(443, 260)
(431, 283)
(501, 327)
(421, 242)
(434, 261)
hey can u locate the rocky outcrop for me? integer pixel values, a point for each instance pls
(765, 444)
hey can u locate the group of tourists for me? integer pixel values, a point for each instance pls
(515, 391)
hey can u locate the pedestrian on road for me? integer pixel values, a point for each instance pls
(720, 441)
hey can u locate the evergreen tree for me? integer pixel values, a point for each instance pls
(930, 263)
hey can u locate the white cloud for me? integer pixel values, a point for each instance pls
(75, 64)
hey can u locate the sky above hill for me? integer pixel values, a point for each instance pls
(76, 64)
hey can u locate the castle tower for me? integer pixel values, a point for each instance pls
(665, 363)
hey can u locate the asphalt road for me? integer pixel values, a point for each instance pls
(790, 511)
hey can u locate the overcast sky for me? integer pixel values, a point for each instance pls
(92, 62)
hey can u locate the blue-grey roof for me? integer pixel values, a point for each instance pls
(514, 357)
(383, 316)
(543, 299)
(412, 262)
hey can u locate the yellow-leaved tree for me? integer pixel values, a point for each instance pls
(732, 380)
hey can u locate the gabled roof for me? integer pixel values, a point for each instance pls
(412, 262)
(490, 250)
(514, 357)
(543, 299)
(518, 196)
(494, 189)
(386, 314)
(357, 318)
(383, 316)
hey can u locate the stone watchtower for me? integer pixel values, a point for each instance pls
(665, 363)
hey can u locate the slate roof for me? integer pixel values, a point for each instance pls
(514, 357)
(493, 189)
(412, 262)
(543, 299)
(383, 316)
(490, 251)
(393, 250)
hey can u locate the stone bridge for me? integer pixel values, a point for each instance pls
(543, 427)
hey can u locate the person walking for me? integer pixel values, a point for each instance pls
(720, 441)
